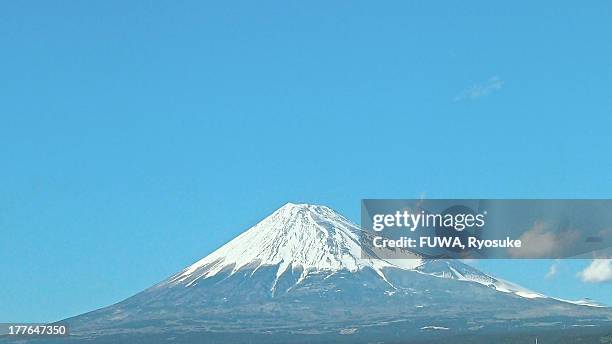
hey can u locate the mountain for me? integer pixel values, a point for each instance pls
(298, 276)
(297, 236)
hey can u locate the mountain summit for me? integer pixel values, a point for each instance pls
(313, 238)
(297, 276)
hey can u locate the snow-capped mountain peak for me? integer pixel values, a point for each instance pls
(313, 237)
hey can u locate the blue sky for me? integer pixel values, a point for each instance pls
(138, 137)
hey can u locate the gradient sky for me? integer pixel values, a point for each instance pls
(137, 137)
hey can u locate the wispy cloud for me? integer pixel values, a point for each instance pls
(480, 90)
(600, 270)
(553, 270)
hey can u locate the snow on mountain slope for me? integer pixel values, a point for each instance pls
(311, 236)
(315, 238)
(454, 269)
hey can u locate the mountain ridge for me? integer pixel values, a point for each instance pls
(269, 243)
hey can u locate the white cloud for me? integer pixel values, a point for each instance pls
(422, 196)
(540, 241)
(600, 270)
(553, 270)
(481, 89)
